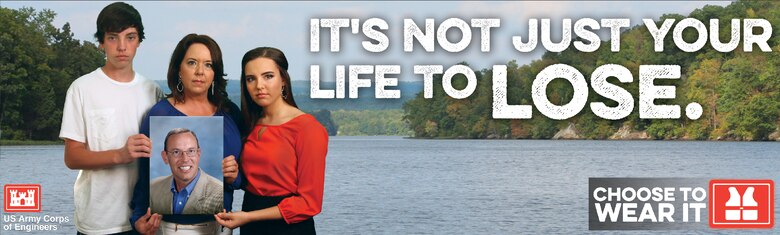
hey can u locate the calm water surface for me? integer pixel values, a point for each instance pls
(392, 185)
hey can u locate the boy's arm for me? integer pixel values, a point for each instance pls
(148, 222)
(78, 156)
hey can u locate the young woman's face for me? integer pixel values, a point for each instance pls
(196, 70)
(263, 81)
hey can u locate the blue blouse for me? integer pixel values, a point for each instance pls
(232, 146)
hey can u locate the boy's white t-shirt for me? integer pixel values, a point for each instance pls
(102, 113)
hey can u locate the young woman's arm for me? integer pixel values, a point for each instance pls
(234, 220)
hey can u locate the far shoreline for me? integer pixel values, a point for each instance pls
(577, 139)
(30, 142)
(59, 142)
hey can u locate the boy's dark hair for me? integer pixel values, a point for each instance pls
(116, 17)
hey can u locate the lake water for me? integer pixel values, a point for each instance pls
(392, 185)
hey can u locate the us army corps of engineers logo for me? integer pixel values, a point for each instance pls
(22, 198)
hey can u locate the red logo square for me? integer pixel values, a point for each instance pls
(22, 198)
(742, 203)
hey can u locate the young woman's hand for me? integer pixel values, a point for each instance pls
(232, 220)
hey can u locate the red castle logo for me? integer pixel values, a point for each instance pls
(22, 198)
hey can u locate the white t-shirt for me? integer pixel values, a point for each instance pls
(102, 113)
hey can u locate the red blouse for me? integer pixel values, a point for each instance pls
(288, 159)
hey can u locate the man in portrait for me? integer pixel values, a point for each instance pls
(189, 189)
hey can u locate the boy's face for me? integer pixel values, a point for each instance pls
(120, 48)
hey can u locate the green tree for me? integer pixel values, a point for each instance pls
(38, 63)
(739, 91)
(324, 117)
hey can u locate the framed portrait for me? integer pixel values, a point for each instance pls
(185, 169)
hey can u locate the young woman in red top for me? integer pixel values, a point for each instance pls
(283, 158)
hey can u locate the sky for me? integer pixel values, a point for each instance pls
(243, 25)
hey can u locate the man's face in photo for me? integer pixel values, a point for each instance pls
(182, 156)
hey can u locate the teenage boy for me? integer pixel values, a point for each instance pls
(100, 120)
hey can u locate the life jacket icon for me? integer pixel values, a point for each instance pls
(741, 202)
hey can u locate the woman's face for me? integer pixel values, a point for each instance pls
(196, 70)
(263, 81)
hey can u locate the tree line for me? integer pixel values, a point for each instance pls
(38, 61)
(739, 91)
(371, 122)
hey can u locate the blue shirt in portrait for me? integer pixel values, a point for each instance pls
(180, 197)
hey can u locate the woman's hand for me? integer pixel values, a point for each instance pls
(229, 169)
(232, 220)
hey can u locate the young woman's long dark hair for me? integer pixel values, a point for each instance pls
(249, 109)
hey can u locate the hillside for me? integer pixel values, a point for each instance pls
(739, 91)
